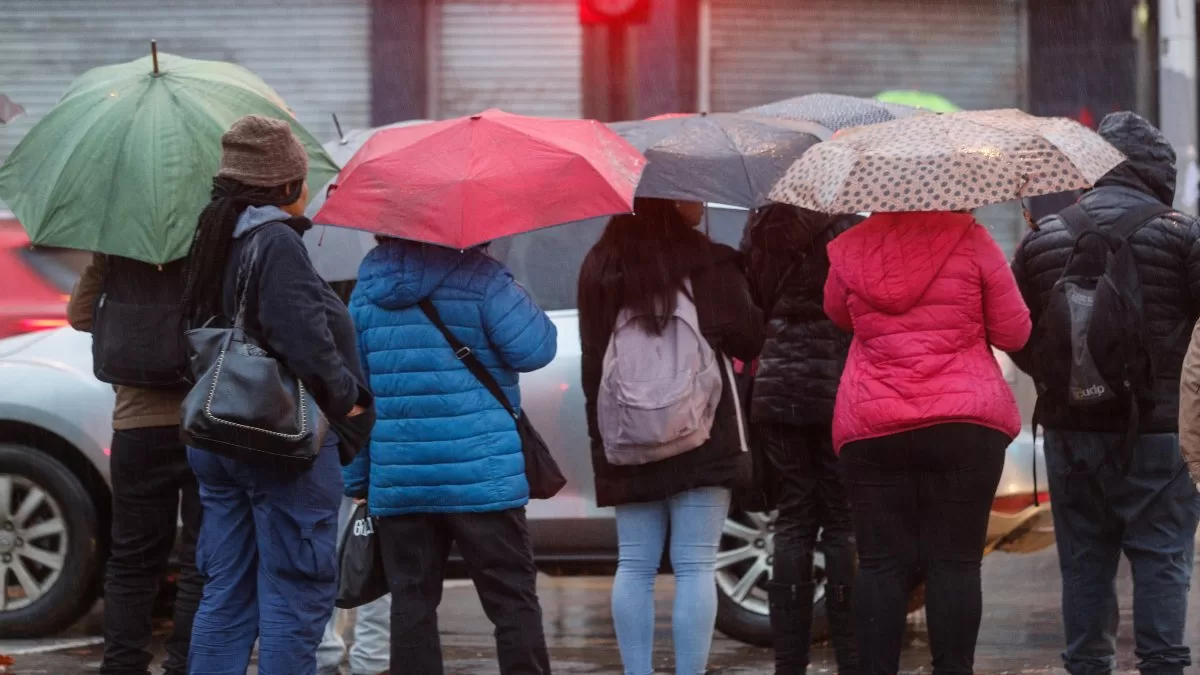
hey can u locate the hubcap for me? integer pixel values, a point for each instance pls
(745, 558)
(33, 541)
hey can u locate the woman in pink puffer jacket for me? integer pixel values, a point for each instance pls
(922, 419)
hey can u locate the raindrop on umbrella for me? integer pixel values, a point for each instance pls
(9, 111)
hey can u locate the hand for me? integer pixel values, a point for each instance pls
(359, 501)
(356, 411)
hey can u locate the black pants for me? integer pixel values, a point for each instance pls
(811, 500)
(921, 501)
(495, 547)
(151, 479)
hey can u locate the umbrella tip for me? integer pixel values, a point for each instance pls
(154, 55)
(338, 125)
(476, 117)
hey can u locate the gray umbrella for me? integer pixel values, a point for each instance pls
(337, 252)
(728, 158)
(835, 111)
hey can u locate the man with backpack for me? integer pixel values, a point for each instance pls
(132, 310)
(1113, 285)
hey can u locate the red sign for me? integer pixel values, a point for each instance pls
(610, 12)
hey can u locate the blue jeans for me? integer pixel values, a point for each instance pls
(695, 519)
(268, 547)
(1150, 514)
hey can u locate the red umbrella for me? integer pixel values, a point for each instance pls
(466, 181)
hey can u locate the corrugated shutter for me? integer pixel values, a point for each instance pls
(970, 51)
(315, 53)
(524, 56)
(973, 52)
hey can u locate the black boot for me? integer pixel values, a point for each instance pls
(791, 624)
(839, 606)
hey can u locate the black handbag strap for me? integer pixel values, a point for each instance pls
(463, 353)
(246, 268)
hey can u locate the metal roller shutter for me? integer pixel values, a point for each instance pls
(524, 56)
(971, 51)
(315, 53)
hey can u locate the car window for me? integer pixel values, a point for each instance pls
(61, 267)
(547, 262)
(725, 224)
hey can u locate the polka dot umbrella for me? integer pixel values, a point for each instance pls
(951, 162)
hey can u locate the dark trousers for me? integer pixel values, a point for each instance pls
(268, 551)
(921, 501)
(495, 547)
(151, 479)
(811, 500)
(1149, 512)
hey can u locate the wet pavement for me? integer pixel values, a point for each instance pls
(1021, 632)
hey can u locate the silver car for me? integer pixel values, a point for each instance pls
(54, 482)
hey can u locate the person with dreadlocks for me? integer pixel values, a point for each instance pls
(268, 536)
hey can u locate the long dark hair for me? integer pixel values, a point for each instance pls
(204, 273)
(641, 262)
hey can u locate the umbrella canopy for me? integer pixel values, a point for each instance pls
(336, 252)
(9, 110)
(835, 111)
(124, 163)
(470, 180)
(727, 158)
(919, 99)
(951, 162)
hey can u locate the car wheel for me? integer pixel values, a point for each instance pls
(48, 544)
(744, 560)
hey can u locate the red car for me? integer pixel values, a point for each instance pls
(36, 281)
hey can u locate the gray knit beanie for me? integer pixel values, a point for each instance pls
(263, 152)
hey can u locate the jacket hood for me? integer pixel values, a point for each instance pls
(1150, 163)
(400, 273)
(890, 259)
(255, 217)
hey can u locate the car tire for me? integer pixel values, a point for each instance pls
(737, 622)
(62, 527)
(748, 620)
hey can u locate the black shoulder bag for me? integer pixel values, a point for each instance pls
(541, 471)
(245, 404)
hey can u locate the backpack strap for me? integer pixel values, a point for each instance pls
(1133, 219)
(1077, 220)
(463, 353)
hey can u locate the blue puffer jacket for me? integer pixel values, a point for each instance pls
(442, 443)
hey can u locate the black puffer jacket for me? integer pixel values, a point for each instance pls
(802, 360)
(1167, 250)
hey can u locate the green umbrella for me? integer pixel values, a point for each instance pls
(919, 99)
(124, 163)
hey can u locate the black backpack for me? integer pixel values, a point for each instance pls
(138, 329)
(1092, 348)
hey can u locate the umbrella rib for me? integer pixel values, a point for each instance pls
(741, 158)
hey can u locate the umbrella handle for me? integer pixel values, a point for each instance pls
(1025, 205)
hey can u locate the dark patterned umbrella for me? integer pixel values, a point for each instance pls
(835, 111)
(727, 158)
